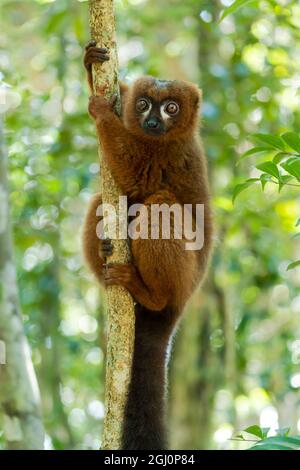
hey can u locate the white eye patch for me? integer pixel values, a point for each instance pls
(163, 113)
(146, 113)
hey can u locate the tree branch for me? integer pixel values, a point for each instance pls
(120, 304)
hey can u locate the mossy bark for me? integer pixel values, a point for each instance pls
(120, 304)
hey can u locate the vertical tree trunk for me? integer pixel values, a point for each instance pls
(120, 304)
(19, 393)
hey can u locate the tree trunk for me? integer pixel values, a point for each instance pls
(19, 393)
(120, 304)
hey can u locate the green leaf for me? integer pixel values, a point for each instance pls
(298, 223)
(278, 443)
(270, 168)
(254, 151)
(292, 166)
(265, 432)
(293, 265)
(255, 431)
(272, 140)
(284, 179)
(293, 140)
(283, 432)
(265, 178)
(241, 187)
(234, 7)
(270, 447)
(279, 157)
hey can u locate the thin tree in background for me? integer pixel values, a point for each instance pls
(120, 304)
(19, 392)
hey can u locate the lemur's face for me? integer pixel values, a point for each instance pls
(160, 108)
(156, 117)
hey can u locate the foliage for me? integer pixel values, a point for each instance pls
(283, 169)
(235, 6)
(281, 440)
(241, 355)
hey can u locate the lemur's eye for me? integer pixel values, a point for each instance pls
(172, 108)
(142, 105)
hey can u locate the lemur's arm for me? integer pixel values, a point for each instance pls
(118, 147)
(116, 142)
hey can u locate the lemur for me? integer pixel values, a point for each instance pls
(156, 156)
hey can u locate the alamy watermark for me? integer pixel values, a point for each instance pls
(153, 221)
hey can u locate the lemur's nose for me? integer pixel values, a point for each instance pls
(153, 123)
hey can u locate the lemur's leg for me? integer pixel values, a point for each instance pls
(96, 251)
(163, 272)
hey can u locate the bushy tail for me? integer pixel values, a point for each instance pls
(144, 423)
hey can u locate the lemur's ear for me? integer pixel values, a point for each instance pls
(124, 88)
(198, 97)
(195, 96)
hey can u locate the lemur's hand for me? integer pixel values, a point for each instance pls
(99, 106)
(106, 248)
(94, 54)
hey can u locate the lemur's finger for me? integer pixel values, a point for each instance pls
(91, 43)
(109, 275)
(93, 57)
(106, 242)
(106, 252)
(92, 49)
(119, 273)
(106, 247)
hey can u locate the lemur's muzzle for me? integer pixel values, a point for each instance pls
(154, 126)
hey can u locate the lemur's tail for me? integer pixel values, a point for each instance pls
(144, 423)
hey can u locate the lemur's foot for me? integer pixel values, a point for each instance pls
(94, 54)
(128, 276)
(120, 274)
(106, 248)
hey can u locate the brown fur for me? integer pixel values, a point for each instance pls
(167, 169)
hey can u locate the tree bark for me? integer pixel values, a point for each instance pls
(120, 304)
(19, 392)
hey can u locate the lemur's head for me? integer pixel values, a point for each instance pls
(156, 108)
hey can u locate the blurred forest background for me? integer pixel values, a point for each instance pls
(236, 359)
